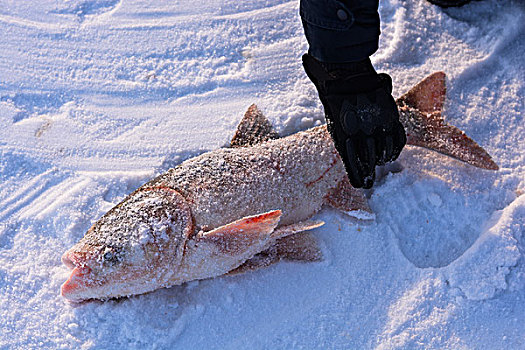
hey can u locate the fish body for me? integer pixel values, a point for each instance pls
(170, 226)
(293, 174)
(239, 208)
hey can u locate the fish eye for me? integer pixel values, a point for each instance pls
(110, 255)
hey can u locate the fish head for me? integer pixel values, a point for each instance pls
(132, 249)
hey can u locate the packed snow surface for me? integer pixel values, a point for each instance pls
(97, 97)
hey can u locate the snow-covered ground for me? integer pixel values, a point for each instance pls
(99, 96)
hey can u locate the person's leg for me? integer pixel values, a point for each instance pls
(341, 31)
(360, 113)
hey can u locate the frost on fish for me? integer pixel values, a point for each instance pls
(240, 208)
(182, 225)
(125, 248)
(292, 174)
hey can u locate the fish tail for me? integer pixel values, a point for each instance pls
(421, 115)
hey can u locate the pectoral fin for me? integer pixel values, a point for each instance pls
(297, 227)
(294, 244)
(244, 234)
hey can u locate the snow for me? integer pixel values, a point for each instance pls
(98, 97)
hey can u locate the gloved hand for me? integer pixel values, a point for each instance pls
(361, 115)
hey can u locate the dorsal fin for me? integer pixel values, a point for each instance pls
(428, 95)
(254, 128)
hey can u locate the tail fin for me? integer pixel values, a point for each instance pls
(420, 112)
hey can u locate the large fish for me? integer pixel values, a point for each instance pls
(240, 208)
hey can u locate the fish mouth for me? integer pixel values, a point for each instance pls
(75, 284)
(70, 260)
(74, 259)
(80, 278)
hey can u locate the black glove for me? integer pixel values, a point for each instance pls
(361, 115)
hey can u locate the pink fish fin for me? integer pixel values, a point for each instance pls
(299, 247)
(291, 229)
(254, 128)
(420, 112)
(259, 261)
(349, 200)
(428, 95)
(244, 234)
(439, 136)
(295, 245)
